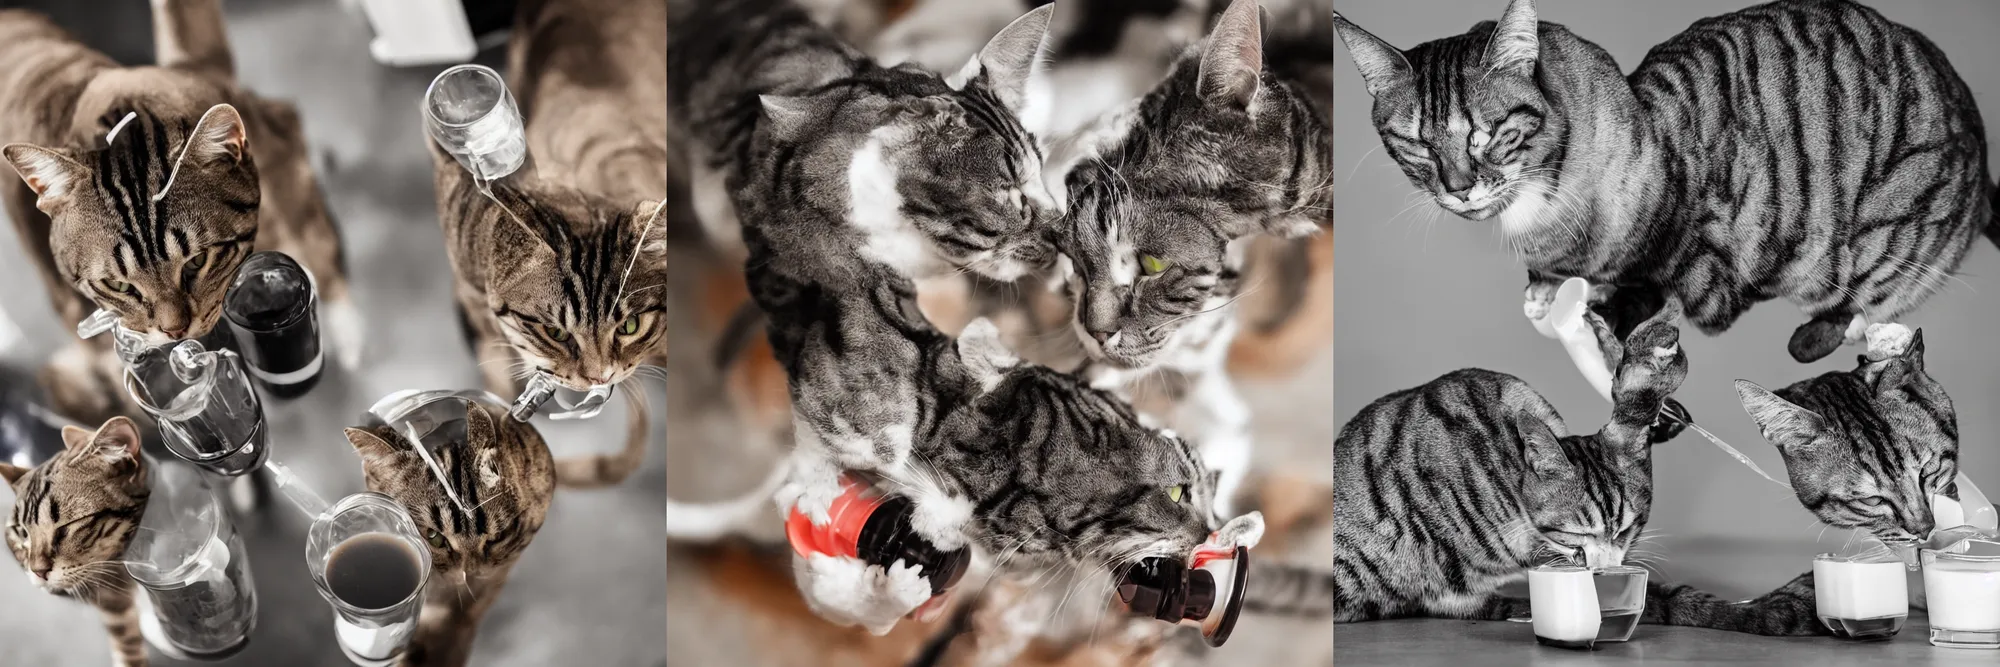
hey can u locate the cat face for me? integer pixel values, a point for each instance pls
(1220, 152)
(74, 514)
(574, 289)
(498, 467)
(162, 263)
(1083, 480)
(1589, 502)
(1865, 448)
(1463, 115)
(946, 171)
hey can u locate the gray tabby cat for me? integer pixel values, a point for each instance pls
(1866, 448)
(1451, 489)
(1162, 198)
(502, 469)
(1805, 149)
(142, 190)
(72, 519)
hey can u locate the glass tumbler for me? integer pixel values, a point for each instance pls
(1577, 607)
(575, 404)
(471, 115)
(369, 564)
(208, 412)
(1963, 591)
(1861, 599)
(272, 310)
(199, 598)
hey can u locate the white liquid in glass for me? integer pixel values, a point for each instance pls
(1963, 595)
(1564, 603)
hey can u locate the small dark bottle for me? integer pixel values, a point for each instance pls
(1207, 596)
(271, 308)
(876, 529)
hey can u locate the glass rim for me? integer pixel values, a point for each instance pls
(317, 567)
(1935, 554)
(1831, 557)
(312, 291)
(1618, 569)
(482, 70)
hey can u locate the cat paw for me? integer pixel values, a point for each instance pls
(816, 504)
(1814, 340)
(1538, 299)
(1243, 531)
(850, 592)
(1653, 360)
(1888, 341)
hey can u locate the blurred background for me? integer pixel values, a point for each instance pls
(733, 602)
(588, 591)
(1423, 292)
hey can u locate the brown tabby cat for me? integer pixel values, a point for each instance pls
(151, 220)
(566, 272)
(74, 515)
(506, 476)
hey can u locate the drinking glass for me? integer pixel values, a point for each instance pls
(1963, 591)
(1861, 598)
(207, 411)
(575, 404)
(371, 637)
(1576, 607)
(199, 600)
(471, 115)
(271, 308)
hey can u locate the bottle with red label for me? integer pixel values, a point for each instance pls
(876, 529)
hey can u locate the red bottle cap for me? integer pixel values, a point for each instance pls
(840, 536)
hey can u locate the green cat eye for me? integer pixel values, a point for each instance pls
(1152, 265)
(119, 286)
(631, 326)
(1177, 492)
(555, 333)
(436, 539)
(198, 261)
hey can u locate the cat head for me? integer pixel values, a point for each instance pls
(1590, 496)
(1464, 116)
(1219, 152)
(947, 158)
(499, 467)
(1072, 474)
(75, 513)
(161, 262)
(1865, 448)
(574, 288)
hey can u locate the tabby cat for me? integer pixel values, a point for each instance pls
(1806, 149)
(503, 471)
(564, 271)
(1458, 486)
(73, 517)
(142, 189)
(1866, 448)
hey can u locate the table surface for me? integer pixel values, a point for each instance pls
(1415, 643)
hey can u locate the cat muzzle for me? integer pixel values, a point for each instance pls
(1205, 592)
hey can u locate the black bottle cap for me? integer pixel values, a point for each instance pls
(887, 537)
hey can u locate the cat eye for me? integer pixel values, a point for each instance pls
(555, 333)
(118, 287)
(198, 261)
(631, 326)
(1870, 501)
(436, 539)
(1153, 265)
(1177, 492)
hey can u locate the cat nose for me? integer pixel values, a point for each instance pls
(1461, 193)
(177, 333)
(1102, 337)
(42, 572)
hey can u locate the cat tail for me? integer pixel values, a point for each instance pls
(602, 470)
(1788, 611)
(708, 522)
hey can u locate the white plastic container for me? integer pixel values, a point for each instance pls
(1565, 606)
(1963, 591)
(1861, 599)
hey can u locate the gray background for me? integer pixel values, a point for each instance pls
(1421, 292)
(589, 590)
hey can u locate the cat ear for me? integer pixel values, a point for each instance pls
(12, 473)
(787, 115)
(1008, 61)
(48, 172)
(117, 440)
(1233, 62)
(1382, 66)
(1542, 449)
(1784, 424)
(479, 426)
(1516, 42)
(985, 357)
(219, 138)
(371, 447)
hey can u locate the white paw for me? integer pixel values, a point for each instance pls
(848, 591)
(1243, 531)
(1537, 301)
(815, 501)
(1887, 341)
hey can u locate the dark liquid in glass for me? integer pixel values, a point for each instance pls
(373, 570)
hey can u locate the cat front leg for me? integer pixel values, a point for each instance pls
(814, 481)
(1540, 295)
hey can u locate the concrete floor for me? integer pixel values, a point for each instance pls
(589, 591)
